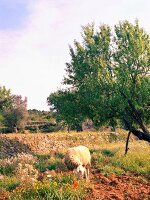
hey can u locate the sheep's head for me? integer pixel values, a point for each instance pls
(80, 171)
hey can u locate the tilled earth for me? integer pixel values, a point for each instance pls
(123, 187)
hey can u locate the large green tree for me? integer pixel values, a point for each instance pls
(109, 71)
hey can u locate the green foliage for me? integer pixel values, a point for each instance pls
(113, 137)
(41, 121)
(1, 119)
(36, 116)
(66, 105)
(9, 183)
(112, 160)
(43, 164)
(136, 162)
(13, 111)
(109, 169)
(132, 65)
(7, 170)
(17, 115)
(5, 98)
(86, 69)
(5, 102)
(109, 77)
(57, 189)
(109, 153)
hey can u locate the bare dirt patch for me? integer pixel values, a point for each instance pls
(123, 187)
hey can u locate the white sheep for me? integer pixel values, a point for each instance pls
(78, 159)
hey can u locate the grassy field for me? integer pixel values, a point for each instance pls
(32, 167)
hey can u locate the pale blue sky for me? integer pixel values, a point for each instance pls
(12, 14)
(35, 34)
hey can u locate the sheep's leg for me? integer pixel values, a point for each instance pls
(86, 175)
(88, 172)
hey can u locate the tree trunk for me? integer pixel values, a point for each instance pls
(68, 128)
(139, 134)
(142, 135)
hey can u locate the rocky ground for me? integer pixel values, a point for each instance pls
(12, 144)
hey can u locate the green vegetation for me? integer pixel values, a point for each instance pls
(108, 79)
(9, 183)
(112, 159)
(57, 189)
(45, 176)
(7, 169)
(108, 85)
(50, 164)
(13, 111)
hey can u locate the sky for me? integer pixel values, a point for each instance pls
(35, 36)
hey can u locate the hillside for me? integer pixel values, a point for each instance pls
(28, 159)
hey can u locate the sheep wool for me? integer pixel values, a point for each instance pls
(78, 156)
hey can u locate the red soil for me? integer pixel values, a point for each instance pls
(114, 187)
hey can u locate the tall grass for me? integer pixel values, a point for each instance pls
(111, 159)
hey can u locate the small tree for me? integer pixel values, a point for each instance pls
(5, 98)
(65, 104)
(5, 102)
(16, 115)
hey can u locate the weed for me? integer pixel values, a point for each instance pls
(7, 170)
(50, 164)
(60, 188)
(60, 155)
(107, 152)
(113, 137)
(9, 183)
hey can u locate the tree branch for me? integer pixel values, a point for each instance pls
(135, 114)
(140, 135)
